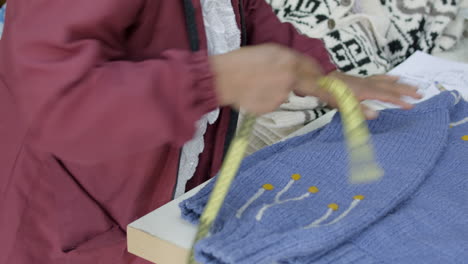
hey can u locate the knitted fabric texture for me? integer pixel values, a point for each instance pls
(291, 202)
(431, 226)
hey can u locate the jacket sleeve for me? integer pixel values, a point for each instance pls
(263, 26)
(82, 100)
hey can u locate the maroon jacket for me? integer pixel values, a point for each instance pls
(96, 100)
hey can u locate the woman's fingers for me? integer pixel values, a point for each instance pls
(369, 113)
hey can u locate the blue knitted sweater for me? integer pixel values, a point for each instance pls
(292, 203)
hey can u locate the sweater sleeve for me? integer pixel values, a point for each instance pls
(81, 98)
(263, 26)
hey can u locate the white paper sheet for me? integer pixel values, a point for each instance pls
(424, 71)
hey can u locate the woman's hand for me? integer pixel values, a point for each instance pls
(379, 87)
(259, 78)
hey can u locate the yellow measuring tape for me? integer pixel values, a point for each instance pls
(363, 167)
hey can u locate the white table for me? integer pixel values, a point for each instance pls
(162, 236)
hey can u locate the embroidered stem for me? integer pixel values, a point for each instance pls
(267, 206)
(331, 209)
(457, 96)
(266, 187)
(461, 122)
(285, 189)
(294, 177)
(312, 189)
(356, 201)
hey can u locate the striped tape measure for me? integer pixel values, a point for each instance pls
(363, 167)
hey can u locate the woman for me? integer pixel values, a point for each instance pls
(98, 98)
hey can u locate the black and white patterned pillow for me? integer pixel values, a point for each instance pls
(354, 47)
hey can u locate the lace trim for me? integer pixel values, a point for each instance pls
(223, 35)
